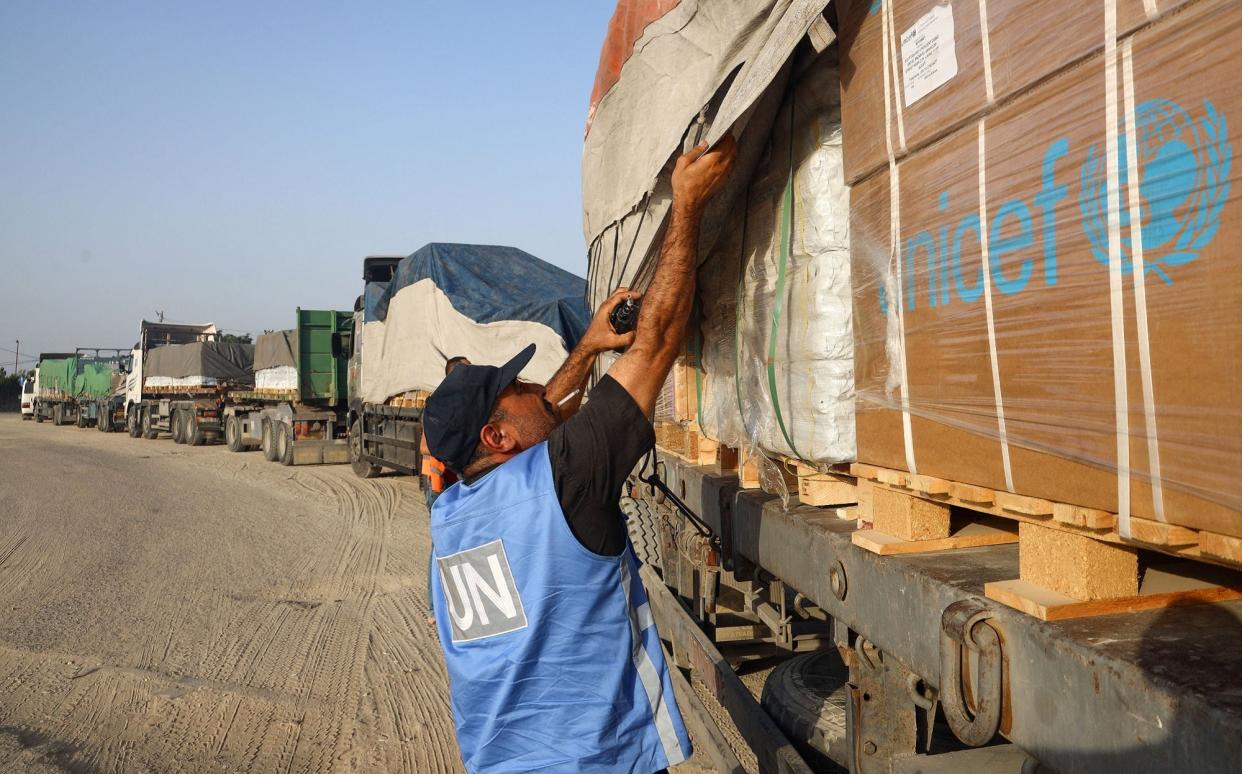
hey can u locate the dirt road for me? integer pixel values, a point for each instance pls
(171, 608)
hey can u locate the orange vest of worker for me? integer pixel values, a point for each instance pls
(440, 477)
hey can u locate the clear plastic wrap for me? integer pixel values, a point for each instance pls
(774, 342)
(1062, 321)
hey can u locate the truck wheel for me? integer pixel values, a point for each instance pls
(38, 412)
(102, 418)
(148, 432)
(192, 432)
(233, 433)
(284, 443)
(268, 443)
(807, 696)
(80, 419)
(131, 423)
(56, 415)
(362, 468)
(177, 425)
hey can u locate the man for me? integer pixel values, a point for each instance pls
(553, 659)
(434, 477)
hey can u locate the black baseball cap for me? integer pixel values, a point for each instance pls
(461, 406)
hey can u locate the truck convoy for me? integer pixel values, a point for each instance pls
(945, 433)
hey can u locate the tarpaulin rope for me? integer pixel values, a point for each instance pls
(787, 204)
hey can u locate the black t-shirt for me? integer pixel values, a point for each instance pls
(592, 453)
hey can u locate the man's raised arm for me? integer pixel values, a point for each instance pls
(698, 175)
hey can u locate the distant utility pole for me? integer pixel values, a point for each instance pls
(161, 315)
(16, 354)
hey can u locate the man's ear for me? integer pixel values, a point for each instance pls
(494, 440)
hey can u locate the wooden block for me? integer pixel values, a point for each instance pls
(826, 490)
(685, 392)
(892, 477)
(1086, 518)
(1027, 506)
(969, 493)
(1226, 547)
(866, 490)
(747, 471)
(702, 450)
(1076, 565)
(908, 517)
(1158, 533)
(862, 470)
(1160, 589)
(972, 535)
(726, 458)
(929, 485)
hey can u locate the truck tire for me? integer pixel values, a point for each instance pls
(38, 412)
(103, 418)
(57, 415)
(177, 425)
(362, 468)
(284, 443)
(807, 697)
(191, 430)
(642, 522)
(148, 431)
(233, 433)
(131, 423)
(80, 419)
(268, 443)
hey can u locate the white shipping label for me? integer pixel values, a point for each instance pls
(928, 58)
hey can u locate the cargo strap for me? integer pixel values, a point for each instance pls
(778, 300)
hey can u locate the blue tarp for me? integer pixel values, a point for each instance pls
(371, 297)
(488, 283)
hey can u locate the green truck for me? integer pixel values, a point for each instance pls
(297, 412)
(81, 387)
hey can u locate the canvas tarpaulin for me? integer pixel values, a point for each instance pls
(772, 339)
(482, 302)
(274, 349)
(275, 367)
(200, 362)
(76, 377)
(664, 67)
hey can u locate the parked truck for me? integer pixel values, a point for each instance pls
(180, 380)
(76, 388)
(909, 460)
(297, 411)
(482, 302)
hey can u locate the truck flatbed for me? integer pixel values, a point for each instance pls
(1150, 691)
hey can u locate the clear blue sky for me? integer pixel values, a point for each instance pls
(229, 161)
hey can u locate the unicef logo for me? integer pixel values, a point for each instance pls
(1184, 169)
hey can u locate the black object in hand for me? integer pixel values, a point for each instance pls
(624, 316)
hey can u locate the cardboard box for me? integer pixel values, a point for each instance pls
(951, 60)
(1057, 333)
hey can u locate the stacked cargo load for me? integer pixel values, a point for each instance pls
(994, 261)
(481, 302)
(769, 363)
(1042, 230)
(275, 368)
(199, 364)
(297, 410)
(71, 387)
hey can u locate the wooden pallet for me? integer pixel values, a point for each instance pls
(1072, 560)
(412, 399)
(203, 389)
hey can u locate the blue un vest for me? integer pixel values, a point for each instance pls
(554, 661)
